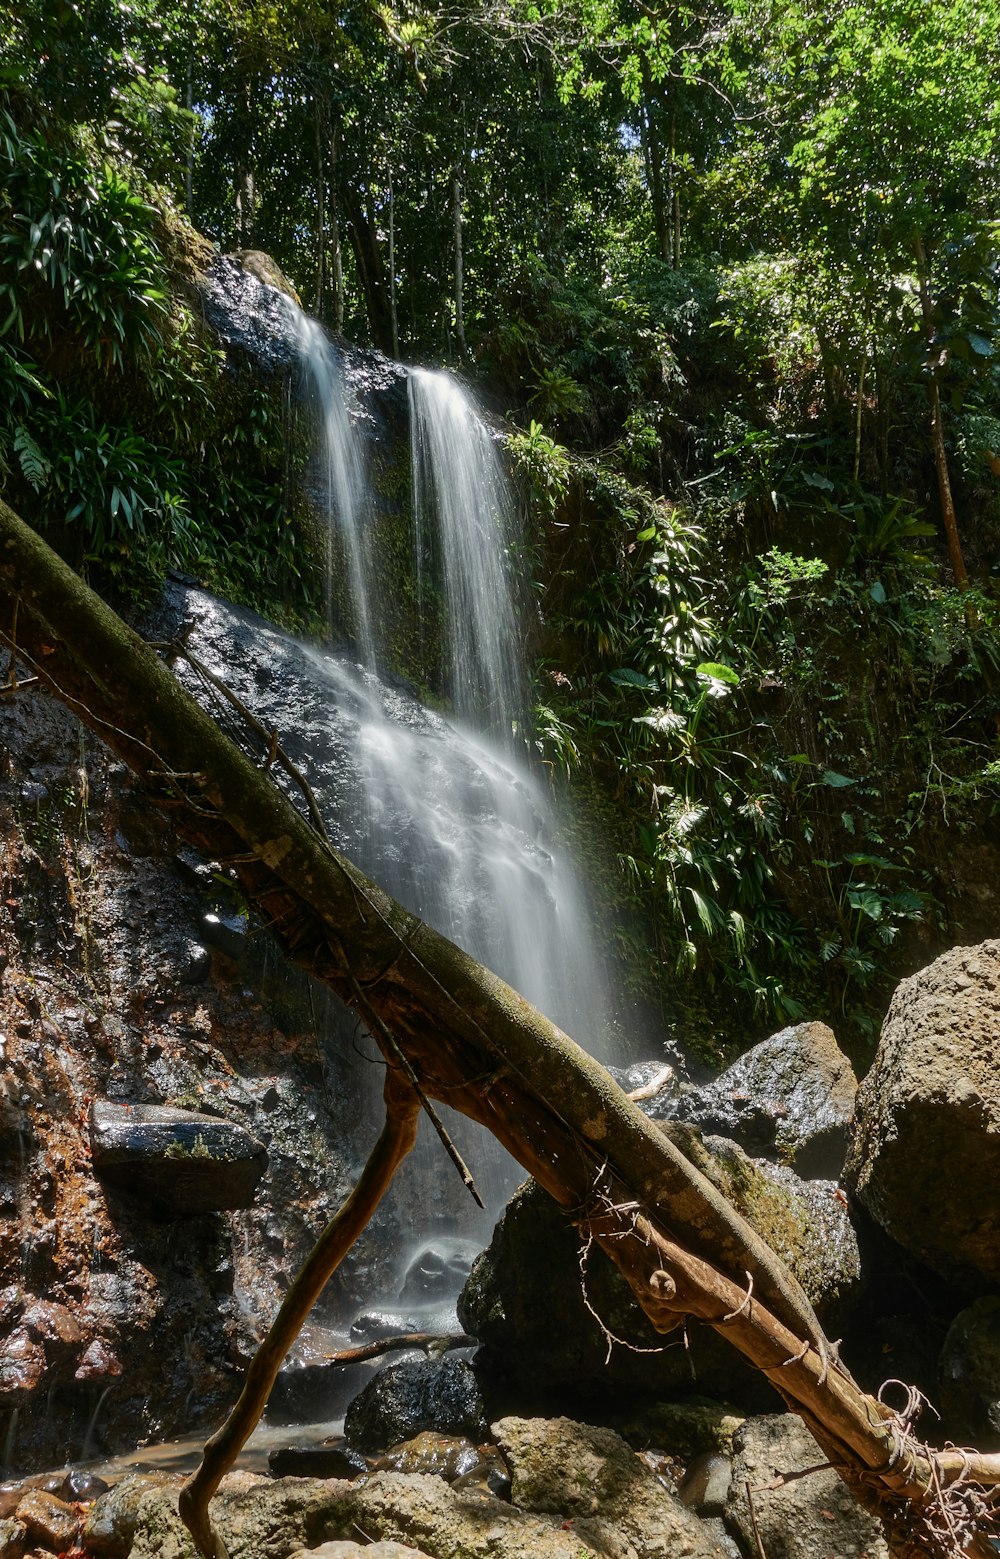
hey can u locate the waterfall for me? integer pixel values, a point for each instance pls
(340, 480)
(447, 816)
(463, 513)
(444, 813)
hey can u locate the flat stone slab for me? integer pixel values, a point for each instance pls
(180, 1163)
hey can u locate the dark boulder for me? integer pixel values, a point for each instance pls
(532, 1303)
(335, 1459)
(402, 1400)
(969, 1374)
(178, 1162)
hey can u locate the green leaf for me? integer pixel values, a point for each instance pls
(36, 466)
(626, 677)
(835, 780)
(877, 593)
(867, 901)
(718, 673)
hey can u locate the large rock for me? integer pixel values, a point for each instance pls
(791, 1097)
(177, 1161)
(450, 1524)
(969, 1374)
(265, 1519)
(343, 1548)
(925, 1153)
(109, 1526)
(806, 1518)
(258, 1518)
(590, 1477)
(402, 1400)
(526, 1303)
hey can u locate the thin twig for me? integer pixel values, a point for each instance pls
(430, 1342)
(378, 1027)
(753, 1522)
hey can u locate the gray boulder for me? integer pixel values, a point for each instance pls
(807, 1518)
(925, 1151)
(590, 1478)
(791, 1098)
(177, 1161)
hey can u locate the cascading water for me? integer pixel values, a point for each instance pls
(463, 513)
(450, 820)
(340, 479)
(453, 823)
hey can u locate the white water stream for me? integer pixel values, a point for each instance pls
(445, 813)
(463, 517)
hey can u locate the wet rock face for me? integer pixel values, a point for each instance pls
(176, 1161)
(253, 310)
(114, 1327)
(925, 1152)
(791, 1098)
(438, 1270)
(453, 1458)
(251, 314)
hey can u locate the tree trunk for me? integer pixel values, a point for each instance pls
(460, 1034)
(949, 520)
(371, 271)
(655, 162)
(859, 412)
(392, 269)
(318, 117)
(189, 159)
(456, 214)
(675, 194)
(336, 252)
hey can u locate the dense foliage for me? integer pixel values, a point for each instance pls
(741, 261)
